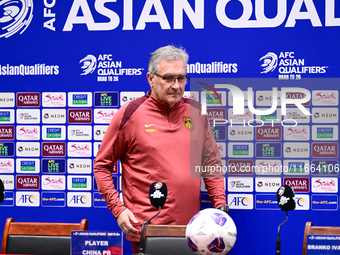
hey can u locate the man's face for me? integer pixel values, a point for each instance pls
(163, 90)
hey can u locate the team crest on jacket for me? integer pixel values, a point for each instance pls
(188, 123)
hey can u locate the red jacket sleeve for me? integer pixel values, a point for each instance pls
(111, 149)
(214, 181)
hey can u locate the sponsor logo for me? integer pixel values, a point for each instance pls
(7, 100)
(325, 167)
(6, 116)
(238, 166)
(53, 166)
(241, 133)
(268, 167)
(8, 181)
(99, 201)
(297, 184)
(79, 132)
(296, 150)
(269, 62)
(31, 199)
(53, 133)
(240, 184)
(267, 184)
(194, 95)
(126, 97)
(56, 99)
(241, 201)
(325, 202)
(102, 99)
(320, 132)
(296, 167)
(27, 149)
(265, 98)
(268, 150)
(240, 150)
(28, 116)
(53, 199)
(266, 202)
(79, 99)
(79, 182)
(218, 98)
(79, 199)
(300, 96)
(6, 132)
(7, 149)
(99, 132)
(301, 202)
(240, 118)
(299, 132)
(79, 149)
(269, 133)
(28, 99)
(104, 116)
(216, 114)
(245, 96)
(324, 185)
(6, 165)
(324, 150)
(53, 149)
(79, 166)
(16, 17)
(325, 115)
(219, 132)
(54, 116)
(297, 115)
(28, 166)
(80, 116)
(53, 182)
(28, 132)
(325, 97)
(107, 68)
(27, 182)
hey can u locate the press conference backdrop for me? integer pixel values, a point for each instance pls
(67, 66)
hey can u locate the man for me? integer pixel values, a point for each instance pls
(159, 138)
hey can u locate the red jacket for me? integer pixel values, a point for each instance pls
(158, 144)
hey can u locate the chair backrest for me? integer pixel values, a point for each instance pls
(166, 240)
(317, 230)
(38, 237)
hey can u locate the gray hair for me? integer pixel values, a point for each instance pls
(167, 53)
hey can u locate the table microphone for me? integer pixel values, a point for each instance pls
(158, 193)
(286, 199)
(2, 191)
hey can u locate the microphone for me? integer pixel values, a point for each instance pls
(158, 193)
(286, 200)
(2, 191)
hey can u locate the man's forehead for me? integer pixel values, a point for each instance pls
(172, 66)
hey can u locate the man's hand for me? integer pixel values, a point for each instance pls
(124, 221)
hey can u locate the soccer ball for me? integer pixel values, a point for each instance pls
(211, 231)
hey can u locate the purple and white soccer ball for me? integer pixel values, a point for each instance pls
(211, 231)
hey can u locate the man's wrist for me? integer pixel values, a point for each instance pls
(224, 208)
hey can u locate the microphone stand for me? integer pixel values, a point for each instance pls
(278, 242)
(142, 235)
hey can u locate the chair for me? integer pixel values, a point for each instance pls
(166, 240)
(317, 230)
(39, 238)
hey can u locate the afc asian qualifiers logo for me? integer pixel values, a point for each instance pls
(16, 16)
(89, 64)
(269, 62)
